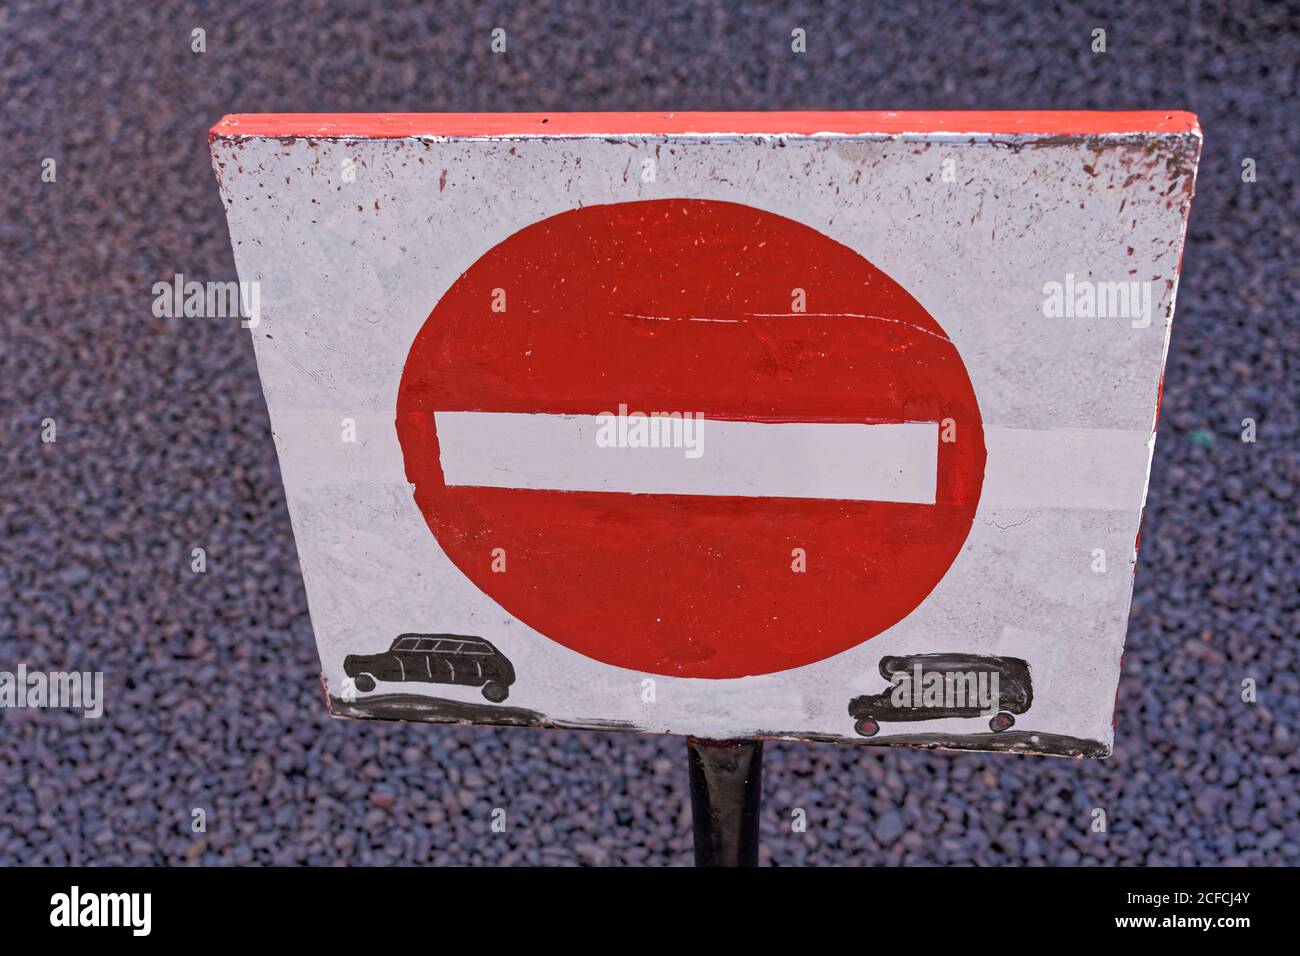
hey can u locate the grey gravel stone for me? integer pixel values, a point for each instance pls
(888, 828)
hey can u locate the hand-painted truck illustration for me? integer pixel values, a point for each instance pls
(933, 686)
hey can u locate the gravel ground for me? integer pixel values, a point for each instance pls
(163, 445)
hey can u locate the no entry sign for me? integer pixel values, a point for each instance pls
(685, 306)
(831, 426)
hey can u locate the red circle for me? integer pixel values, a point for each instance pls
(687, 585)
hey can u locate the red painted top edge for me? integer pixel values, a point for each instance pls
(395, 125)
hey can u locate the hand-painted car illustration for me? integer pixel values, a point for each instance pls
(966, 686)
(436, 659)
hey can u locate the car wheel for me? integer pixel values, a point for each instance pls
(1001, 722)
(495, 692)
(365, 683)
(867, 727)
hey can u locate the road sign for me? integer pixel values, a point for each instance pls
(825, 426)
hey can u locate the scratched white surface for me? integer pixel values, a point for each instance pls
(350, 270)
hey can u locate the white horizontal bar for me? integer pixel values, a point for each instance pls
(851, 462)
(1101, 469)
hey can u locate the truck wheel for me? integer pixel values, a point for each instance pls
(365, 683)
(867, 727)
(1001, 722)
(495, 692)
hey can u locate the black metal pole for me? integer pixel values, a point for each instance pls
(726, 790)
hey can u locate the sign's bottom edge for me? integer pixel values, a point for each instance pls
(438, 710)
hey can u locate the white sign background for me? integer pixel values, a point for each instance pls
(350, 268)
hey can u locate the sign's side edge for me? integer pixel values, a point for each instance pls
(1193, 164)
